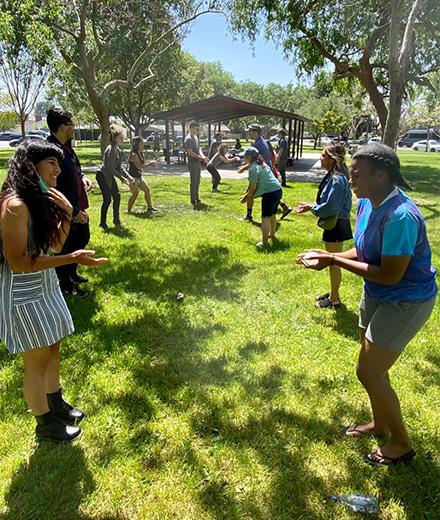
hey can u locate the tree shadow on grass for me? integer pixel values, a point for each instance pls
(422, 178)
(343, 320)
(207, 271)
(51, 484)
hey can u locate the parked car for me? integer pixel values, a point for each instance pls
(412, 136)
(39, 133)
(433, 145)
(16, 142)
(375, 139)
(7, 136)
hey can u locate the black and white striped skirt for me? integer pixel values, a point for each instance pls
(33, 312)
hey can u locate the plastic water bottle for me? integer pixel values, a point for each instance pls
(357, 502)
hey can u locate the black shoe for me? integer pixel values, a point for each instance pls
(286, 211)
(79, 293)
(79, 279)
(104, 226)
(64, 411)
(247, 218)
(51, 428)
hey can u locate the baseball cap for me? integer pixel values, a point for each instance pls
(249, 152)
(256, 127)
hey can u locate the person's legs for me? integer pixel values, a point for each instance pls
(194, 174)
(36, 362)
(215, 176)
(286, 209)
(273, 226)
(282, 170)
(147, 195)
(116, 196)
(52, 376)
(265, 229)
(372, 371)
(80, 239)
(335, 272)
(106, 198)
(133, 197)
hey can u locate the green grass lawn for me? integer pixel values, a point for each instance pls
(229, 404)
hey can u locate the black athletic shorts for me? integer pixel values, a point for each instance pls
(269, 203)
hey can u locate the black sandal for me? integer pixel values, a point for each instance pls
(406, 457)
(322, 297)
(327, 304)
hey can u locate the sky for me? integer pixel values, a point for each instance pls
(210, 40)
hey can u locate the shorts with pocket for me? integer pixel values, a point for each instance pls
(392, 325)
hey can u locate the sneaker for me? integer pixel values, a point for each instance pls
(152, 209)
(63, 410)
(215, 190)
(261, 245)
(286, 211)
(247, 218)
(54, 429)
(104, 226)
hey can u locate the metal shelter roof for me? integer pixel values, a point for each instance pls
(222, 108)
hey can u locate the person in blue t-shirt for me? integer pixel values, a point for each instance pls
(262, 183)
(393, 255)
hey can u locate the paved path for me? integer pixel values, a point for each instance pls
(306, 169)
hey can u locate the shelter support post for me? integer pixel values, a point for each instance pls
(295, 126)
(167, 141)
(302, 138)
(298, 137)
(289, 142)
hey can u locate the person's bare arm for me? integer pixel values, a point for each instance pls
(15, 231)
(390, 271)
(252, 188)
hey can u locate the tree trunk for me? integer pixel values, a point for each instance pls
(366, 78)
(23, 119)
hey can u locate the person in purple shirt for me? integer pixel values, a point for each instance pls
(393, 255)
(255, 133)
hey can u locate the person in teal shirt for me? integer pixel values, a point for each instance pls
(262, 183)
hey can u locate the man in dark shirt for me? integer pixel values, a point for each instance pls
(73, 184)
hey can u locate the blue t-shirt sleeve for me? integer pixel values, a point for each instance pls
(400, 235)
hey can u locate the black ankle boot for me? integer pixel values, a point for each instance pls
(51, 428)
(63, 410)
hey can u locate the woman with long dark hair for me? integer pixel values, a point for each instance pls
(393, 256)
(332, 207)
(34, 221)
(137, 163)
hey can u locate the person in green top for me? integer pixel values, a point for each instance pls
(262, 183)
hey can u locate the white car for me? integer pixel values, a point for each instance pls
(433, 145)
(375, 139)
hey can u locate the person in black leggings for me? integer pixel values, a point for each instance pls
(112, 168)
